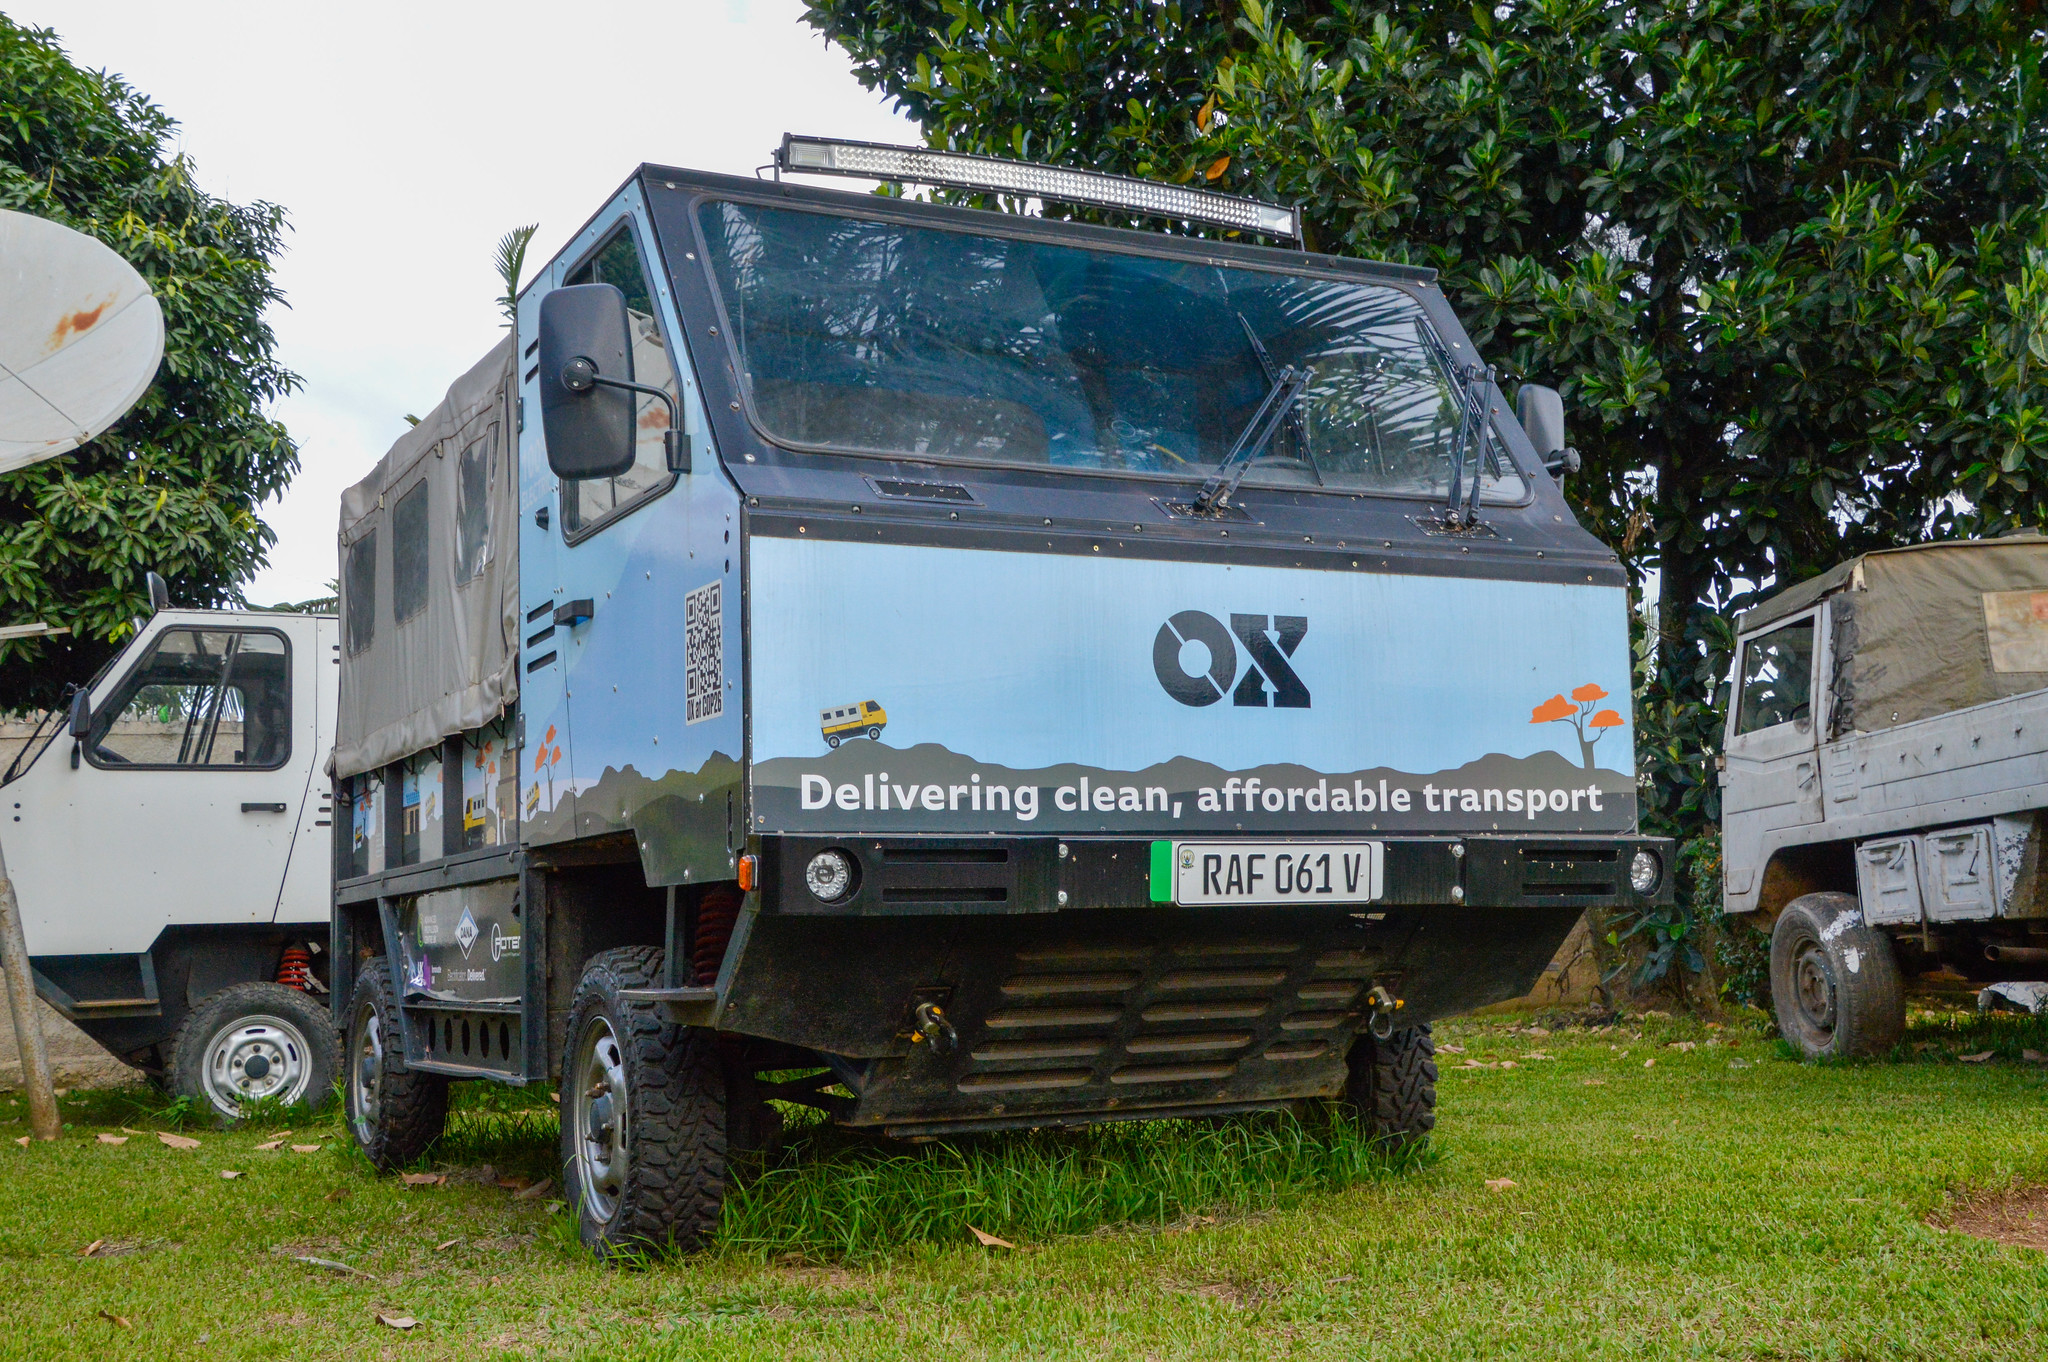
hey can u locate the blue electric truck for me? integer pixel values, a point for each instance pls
(958, 670)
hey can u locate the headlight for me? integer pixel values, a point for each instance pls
(1645, 870)
(830, 876)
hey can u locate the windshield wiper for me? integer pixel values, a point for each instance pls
(1471, 385)
(1296, 426)
(1258, 432)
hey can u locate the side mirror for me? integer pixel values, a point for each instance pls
(1541, 412)
(588, 422)
(81, 715)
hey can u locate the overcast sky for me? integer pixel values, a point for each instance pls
(405, 139)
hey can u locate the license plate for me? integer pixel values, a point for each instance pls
(1217, 873)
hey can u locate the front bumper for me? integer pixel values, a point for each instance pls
(953, 875)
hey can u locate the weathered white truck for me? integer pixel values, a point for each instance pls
(169, 845)
(1886, 766)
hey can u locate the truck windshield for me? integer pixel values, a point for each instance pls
(880, 338)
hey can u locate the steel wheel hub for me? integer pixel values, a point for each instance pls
(601, 1117)
(1814, 986)
(253, 1058)
(366, 1074)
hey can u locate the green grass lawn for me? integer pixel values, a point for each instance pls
(1722, 1202)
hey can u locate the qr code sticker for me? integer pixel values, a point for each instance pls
(703, 654)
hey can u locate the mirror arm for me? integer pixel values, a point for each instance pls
(580, 375)
(1565, 461)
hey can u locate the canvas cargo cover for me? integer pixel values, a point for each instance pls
(430, 578)
(1929, 629)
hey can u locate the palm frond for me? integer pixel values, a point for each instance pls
(511, 263)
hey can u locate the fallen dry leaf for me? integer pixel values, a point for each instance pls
(1507, 1064)
(94, 1247)
(2034, 1057)
(397, 1321)
(1649, 1064)
(126, 1131)
(1448, 1049)
(112, 1139)
(1682, 1045)
(1977, 1058)
(535, 1191)
(274, 1144)
(338, 1194)
(305, 1149)
(443, 1248)
(423, 1179)
(177, 1141)
(1595, 1082)
(989, 1240)
(118, 1321)
(1537, 1054)
(23, 1140)
(1500, 1184)
(1536, 1031)
(229, 1174)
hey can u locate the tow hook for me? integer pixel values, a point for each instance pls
(932, 1026)
(1380, 1007)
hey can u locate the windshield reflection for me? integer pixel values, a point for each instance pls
(882, 338)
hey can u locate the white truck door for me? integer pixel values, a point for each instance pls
(1773, 744)
(309, 873)
(190, 786)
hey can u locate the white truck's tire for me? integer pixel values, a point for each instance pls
(255, 1042)
(1835, 984)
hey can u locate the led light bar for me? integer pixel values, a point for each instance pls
(990, 174)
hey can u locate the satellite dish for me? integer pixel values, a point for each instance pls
(80, 338)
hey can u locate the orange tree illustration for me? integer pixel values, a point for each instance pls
(1579, 712)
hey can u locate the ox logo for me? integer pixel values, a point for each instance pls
(1269, 641)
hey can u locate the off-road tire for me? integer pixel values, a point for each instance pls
(411, 1107)
(1835, 984)
(319, 1062)
(673, 1138)
(1391, 1089)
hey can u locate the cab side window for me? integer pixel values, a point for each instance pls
(589, 502)
(202, 697)
(1777, 678)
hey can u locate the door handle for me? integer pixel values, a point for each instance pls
(264, 808)
(574, 613)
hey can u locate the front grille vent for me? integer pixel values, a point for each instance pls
(1138, 1019)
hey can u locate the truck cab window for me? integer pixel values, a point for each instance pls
(1777, 678)
(589, 502)
(202, 697)
(361, 585)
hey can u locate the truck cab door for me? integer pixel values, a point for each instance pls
(309, 871)
(1772, 780)
(188, 788)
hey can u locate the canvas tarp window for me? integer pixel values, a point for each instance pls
(1929, 629)
(431, 593)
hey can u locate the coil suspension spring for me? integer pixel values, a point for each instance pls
(295, 969)
(717, 911)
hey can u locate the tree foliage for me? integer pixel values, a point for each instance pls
(175, 485)
(1786, 259)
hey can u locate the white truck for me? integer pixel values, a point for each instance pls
(1886, 766)
(169, 842)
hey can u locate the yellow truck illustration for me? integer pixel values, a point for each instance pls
(851, 721)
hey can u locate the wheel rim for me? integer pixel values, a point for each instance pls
(1813, 986)
(366, 1072)
(253, 1058)
(602, 1117)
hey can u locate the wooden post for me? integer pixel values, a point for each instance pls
(43, 1121)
